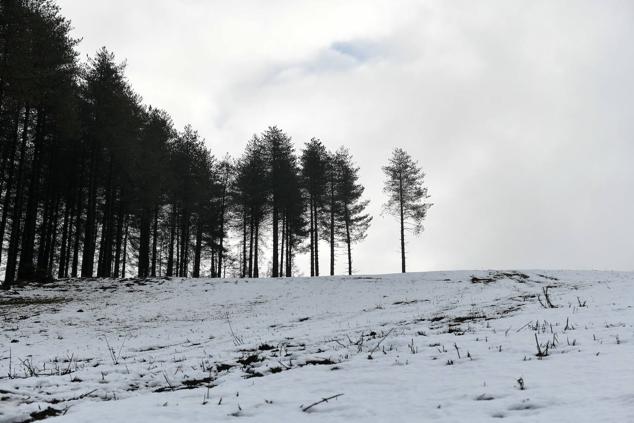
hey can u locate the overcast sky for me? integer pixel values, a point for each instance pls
(520, 112)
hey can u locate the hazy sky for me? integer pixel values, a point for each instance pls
(520, 112)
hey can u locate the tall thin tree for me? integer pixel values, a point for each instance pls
(404, 186)
(353, 206)
(314, 162)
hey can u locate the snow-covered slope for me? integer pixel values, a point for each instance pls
(442, 346)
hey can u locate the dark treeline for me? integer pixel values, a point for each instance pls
(93, 183)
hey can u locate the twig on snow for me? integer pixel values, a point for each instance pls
(323, 400)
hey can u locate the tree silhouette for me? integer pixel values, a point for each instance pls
(352, 207)
(93, 182)
(314, 162)
(406, 195)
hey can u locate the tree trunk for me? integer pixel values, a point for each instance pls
(256, 267)
(78, 232)
(125, 247)
(6, 202)
(289, 251)
(312, 240)
(49, 214)
(104, 269)
(154, 241)
(160, 259)
(178, 263)
(88, 254)
(316, 227)
(68, 246)
(221, 249)
(251, 244)
(402, 225)
(184, 256)
(144, 243)
(16, 215)
(26, 269)
(244, 245)
(281, 271)
(275, 239)
(170, 257)
(213, 272)
(53, 241)
(63, 253)
(332, 230)
(348, 241)
(198, 248)
(119, 237)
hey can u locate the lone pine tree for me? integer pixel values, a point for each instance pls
(406, 195)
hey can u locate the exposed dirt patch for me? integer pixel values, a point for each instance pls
(496, 276)
(45, 414)
(21, 301)
(195, 383)
(223, 367)
(266, 347)
(319, 362)
(249, 359)
(406, 302)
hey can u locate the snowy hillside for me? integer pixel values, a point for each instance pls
(450, 347)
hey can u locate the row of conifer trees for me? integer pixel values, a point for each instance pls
(95, 183)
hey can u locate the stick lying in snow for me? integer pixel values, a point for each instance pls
(305, 409)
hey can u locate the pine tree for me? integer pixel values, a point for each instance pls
(281, 173)
(352, 206)
(406, 195)
(111, 116)
(226, 175)
(37, 78)
(190, 163)
(251, 197)
(332, 219)
(294, 225)
(148, 181)
(314, 162)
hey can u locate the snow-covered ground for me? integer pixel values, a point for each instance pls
(442, 346)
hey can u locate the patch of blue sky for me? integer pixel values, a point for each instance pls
(361, 51)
